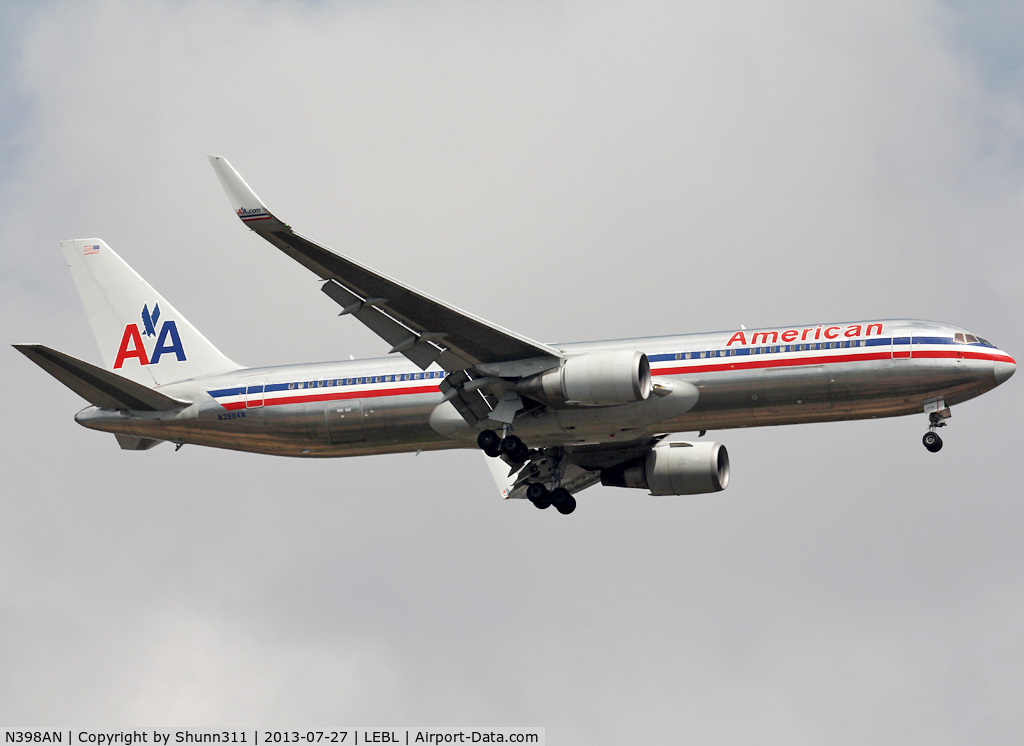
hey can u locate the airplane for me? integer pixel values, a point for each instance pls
(551, 419)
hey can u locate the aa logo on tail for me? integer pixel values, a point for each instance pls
(167, 340)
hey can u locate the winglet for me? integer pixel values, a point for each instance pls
(243, 199)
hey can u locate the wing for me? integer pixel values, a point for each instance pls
(422, 328)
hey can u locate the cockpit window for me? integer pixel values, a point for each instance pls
(970, 339)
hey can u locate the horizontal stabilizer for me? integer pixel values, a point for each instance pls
(97, 386)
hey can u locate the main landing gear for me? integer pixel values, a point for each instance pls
(494, 446)
(542, 498)
(517, 452)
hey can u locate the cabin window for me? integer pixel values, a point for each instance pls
(291, 385)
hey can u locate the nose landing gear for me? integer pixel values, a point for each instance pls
(938, 413)
(932, 441)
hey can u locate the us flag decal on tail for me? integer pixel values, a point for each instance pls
(88, 250)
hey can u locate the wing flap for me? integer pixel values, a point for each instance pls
(97, 386)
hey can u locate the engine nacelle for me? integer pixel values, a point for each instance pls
(676, 468)
(601, 378)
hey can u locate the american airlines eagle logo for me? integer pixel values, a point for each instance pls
(149, 321)
(167, 340)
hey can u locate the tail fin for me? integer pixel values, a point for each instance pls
(141, 336)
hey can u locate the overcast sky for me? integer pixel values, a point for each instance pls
(570, 171)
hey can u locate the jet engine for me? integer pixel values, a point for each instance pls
(676, 468)
(601, 378)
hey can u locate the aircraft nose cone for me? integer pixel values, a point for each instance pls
(1003, 370)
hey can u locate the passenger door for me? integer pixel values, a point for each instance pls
(344, 420)
(254, 395)
(902, 345)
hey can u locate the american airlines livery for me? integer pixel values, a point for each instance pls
(552, 419)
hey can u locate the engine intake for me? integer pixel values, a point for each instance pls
(676, 468)
(598, 379)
